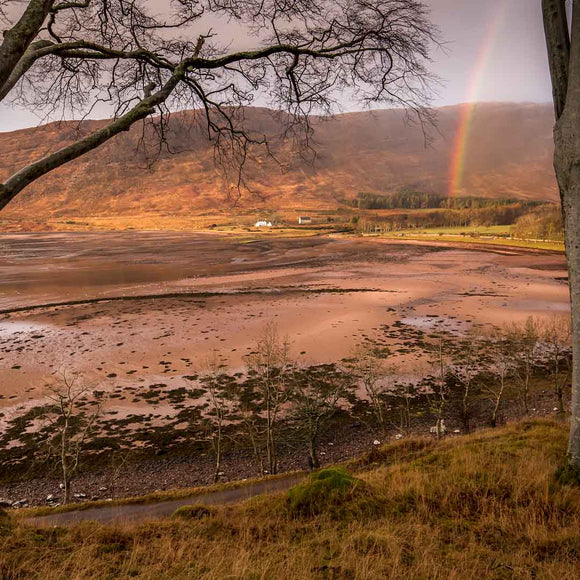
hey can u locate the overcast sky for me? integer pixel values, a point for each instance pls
(495, 52)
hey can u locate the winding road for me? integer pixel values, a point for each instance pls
(141, 512)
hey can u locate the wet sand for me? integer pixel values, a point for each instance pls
(191, 294)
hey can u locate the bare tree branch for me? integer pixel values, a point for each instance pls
(67, 57)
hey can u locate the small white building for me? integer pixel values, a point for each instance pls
(263, 224)
(304, 220)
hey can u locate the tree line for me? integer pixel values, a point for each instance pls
(540, 222)
(406, 199)
(277, 404)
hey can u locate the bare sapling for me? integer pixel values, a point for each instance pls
(221, 402)
(369, 368)
(523, 344)
(438, 397)
(466, 370)
(315, 395)
(501, 365)
(557, 339)
(269, 374)
(403, 394)
(120, 464)
(69, 425)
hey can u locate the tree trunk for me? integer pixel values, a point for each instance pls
(465, 411)
(560, 393)
(439, 429)
(527, 387)
(313, 454)
(65, 486)
(494, 413)
(18, 38)
(270, 451)
(218, 456)
(564, 59)
(567, 164)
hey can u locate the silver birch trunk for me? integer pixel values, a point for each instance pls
(564, 59)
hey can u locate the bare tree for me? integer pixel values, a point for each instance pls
(251, 426)
(269, 375)
(500, 370)
(370, 369)
(556, 337)
(298, 55)
(522, 341)
(222, 403)
(563, 43)
(315, 394)
(403, 394)
(120, 464)
(70, 426)
(438, 398)
(466, 370)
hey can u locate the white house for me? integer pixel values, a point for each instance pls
(304, 220)
(263, 224)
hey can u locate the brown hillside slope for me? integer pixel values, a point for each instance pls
(509, 155)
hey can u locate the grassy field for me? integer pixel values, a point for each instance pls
(475, 236)
(485, 505)
(241, 226)
(234, 223)
(461, 231)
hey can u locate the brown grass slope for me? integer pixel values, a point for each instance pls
(480, 506)
(509, 154)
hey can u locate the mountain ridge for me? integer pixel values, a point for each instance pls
(509, 155)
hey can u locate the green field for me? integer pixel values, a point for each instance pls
(464, 230)
(492, 235)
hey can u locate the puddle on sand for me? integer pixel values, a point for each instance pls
(431, 323)
(540, 305)
(9, 328)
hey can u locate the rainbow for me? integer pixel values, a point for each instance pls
(461, 141)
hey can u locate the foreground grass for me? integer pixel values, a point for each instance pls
(485, 505)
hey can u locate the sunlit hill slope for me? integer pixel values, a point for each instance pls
(508, 154)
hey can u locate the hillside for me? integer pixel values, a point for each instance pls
(509, 155)
(485, 505)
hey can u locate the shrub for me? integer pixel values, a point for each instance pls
(325, 491)
(568, 475)
(192, 512)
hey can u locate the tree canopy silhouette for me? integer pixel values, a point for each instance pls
(298, 56)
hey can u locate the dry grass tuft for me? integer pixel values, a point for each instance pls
(485, 505)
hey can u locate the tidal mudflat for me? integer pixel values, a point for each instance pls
(137, 314)
(142, 308)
